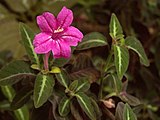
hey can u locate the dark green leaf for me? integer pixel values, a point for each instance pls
(86, 105)
(119, 111)
(22, 113)
(131, 100)
(121, 60)
(117, 83)
(63, 78)
(134, 44)
(115, 28)
(92, 40)
(96, 108)
(21, 98)
(83, 85)
(42, 89)
(73, 86)
(14, 71)
(60, 62)
(27, 38)
(128, 113)
(64, 106)
(8, 92)
(4, 105)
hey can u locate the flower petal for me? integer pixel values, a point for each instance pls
(47, 22)
(72, 36)
(65, 18)
(41, 38)
(61, 49)
(42, 43)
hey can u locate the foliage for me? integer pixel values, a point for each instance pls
(104, 79)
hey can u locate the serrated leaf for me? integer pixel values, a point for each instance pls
(73, 86)
(92, 40)
(134, 44)
(128, 113)
(27, 38)
(21, 98)
(115, 28)
(86, 105)
(15, 71)
(119, 111)
(42, 89)
(117, 83)
(121, 60)
(64, 106)
(63, 78)
(83, 85)
(22, 113)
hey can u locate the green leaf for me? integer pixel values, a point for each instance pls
(134, 44)
(117, 83)
(92, 40)
(15, 71)
(63, 78)
(55, 69)
(119, 111)
(73, 86)
(21, 97)
(4, 105)
(8, 92)
(131, 100)
(27, 39)
(64, 106)
(115, 28)
(128, 113)
(22, 113)
(83, 85)
(86, 105)
(121, 60)
(42, 89)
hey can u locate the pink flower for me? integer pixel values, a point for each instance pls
(56, 34)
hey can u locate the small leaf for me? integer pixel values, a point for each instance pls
(35, 67)
(8, 92)
(27, 38)
(131, 100)
(15, 71)
(21, 98)
(4, 105)
(86, 105)
(135, 45)
(83, 85)
(42, 89)
(121, 60)
(92, 40)
(63, 78)
(119, 111)
(117, 83)
(60, 62)
(73, 86)
(22, 113)
(115, 28)
(64, 106)
(55, 69)
(128, 113)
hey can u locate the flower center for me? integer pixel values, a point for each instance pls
(58, 30)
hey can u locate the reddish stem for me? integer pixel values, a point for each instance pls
(45, 59)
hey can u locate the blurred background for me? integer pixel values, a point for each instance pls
(140, 18)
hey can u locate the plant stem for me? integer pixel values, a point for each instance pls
(105, 70)
(45, 59)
